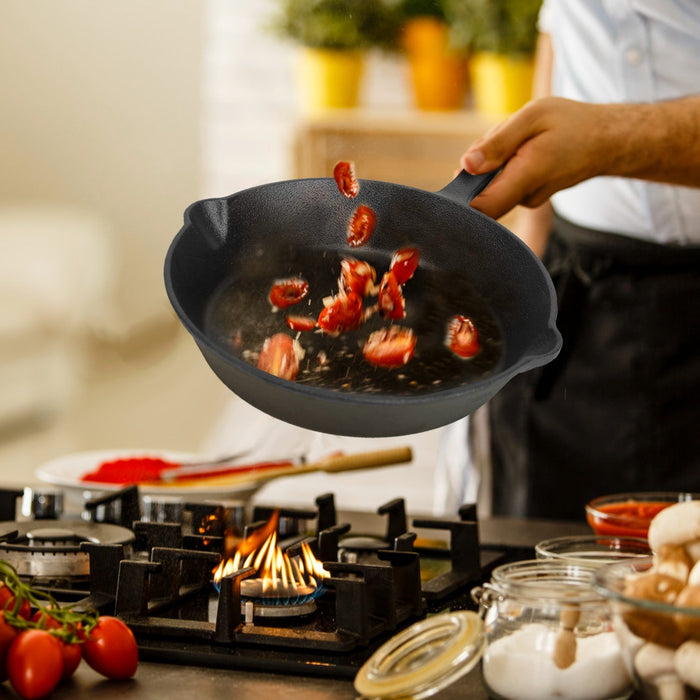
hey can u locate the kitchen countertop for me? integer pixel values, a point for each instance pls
(178, 681)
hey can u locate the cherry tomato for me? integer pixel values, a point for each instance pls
(280, 356)
(8, 602)
(288, 291)
(111, 648)
(462, 337)
(72, 653)
(356, 276)
(390, 347)
(342, 313)
(301, 323)
(404, 263)
(361, 226)
(34, 663)
(391, 303)
(344, 175)
(7, 636)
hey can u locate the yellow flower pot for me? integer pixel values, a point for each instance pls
(500, 84)
(439, 75)
(329, 79)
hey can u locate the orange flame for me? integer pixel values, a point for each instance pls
(278, 574)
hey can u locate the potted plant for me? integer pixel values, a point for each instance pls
(334, 36)
(501, 35)
(439, 71)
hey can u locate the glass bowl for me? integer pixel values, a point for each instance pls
(629, 514)
(592, 550)
(660, 641)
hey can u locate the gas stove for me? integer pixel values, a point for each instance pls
(157, 574)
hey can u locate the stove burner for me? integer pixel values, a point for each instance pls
(251, 609)
(53, 548)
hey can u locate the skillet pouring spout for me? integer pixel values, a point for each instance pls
(221, 264)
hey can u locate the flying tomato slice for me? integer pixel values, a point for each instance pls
(361, 226)
(344, 175)
(342, 313)
(286, 292)
(391, 303)
(280, 355)
(390, 347)
(404, 263)
(356, 276)
(300, 323)
(462, 337)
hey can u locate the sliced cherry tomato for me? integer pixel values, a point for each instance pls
(280, 355)
(288, 291)
(344, 175)
(356, 276)
(390, 347)
(301, 323)
(34, 663)
(361, 226)
(7, 636)
(72, 653)
(391, 303)
(404, 263)
(462, 337)
(111, 648)
(8, 601)
(342, 313)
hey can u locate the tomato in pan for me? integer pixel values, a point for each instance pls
(361, 226)
(356, 276)
(391, 302)
(280, 355)
(390, 347)
(404, 263)
(462, 337)
(286, 292)
(343, 312)
(300, 323)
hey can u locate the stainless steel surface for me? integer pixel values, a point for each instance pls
(42, 503)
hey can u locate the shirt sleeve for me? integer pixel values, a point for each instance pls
(544, 20)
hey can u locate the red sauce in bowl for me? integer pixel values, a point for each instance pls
(625, 518)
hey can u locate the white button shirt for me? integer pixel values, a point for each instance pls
(627, 51)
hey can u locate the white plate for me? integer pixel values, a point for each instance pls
(66, 472)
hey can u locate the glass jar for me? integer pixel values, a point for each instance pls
(549, 634)
(592, 550)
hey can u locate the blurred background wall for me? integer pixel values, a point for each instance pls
(114, 116)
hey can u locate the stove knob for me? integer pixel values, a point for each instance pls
(42, 504)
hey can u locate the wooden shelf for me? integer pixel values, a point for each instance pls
(419, 149)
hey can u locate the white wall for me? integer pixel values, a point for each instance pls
(100, 108)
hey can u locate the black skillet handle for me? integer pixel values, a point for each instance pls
(465, 186)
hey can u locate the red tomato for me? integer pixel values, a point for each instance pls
(356, 276)
(7, 636)
(391, 303)
(301, 323)
(111, 648)
(344, 175)
(390, 347)
(342, 313)
(361, 226)
(404, 263)
(72, 653)
(280, 356)
(288, 291)
(34, 663)
(8, 602)
(462, 337)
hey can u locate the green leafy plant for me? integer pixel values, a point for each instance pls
(408, 9)
(500, 26)
(337, 24)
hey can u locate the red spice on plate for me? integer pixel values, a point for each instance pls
(129, 470)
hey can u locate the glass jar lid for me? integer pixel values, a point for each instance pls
(424, 658)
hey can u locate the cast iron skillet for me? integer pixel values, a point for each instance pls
(220, 266)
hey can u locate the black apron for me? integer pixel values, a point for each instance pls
(619, 409)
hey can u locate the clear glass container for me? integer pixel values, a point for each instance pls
(549, 634)
(592, 550)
